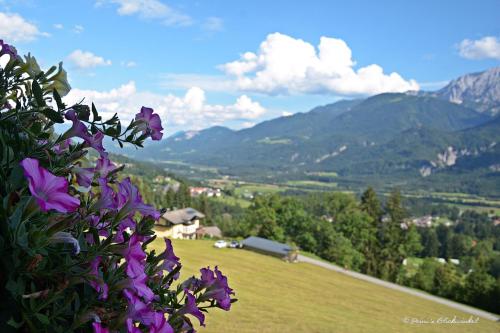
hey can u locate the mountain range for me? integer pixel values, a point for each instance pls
(447, 140)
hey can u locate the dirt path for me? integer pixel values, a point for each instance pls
(455, 305)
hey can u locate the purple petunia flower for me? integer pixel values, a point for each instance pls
(84, 176)
(138, 284)
(160, 324)
(127, 223)
(96, 143)
(106, 196)
(217, 288)
(135, 256)
(128, 200)
(78, 129)
(170, 260)
(104, 166)
(61, 147)
(138, 310)
(98, 328)
(150, 123)
(8, 49)
(100, 286)
(191, 308)
(50, 191)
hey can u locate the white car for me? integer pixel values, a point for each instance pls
(220, 244)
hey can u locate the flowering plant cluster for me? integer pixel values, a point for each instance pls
(74, 239)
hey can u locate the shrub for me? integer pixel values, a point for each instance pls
(74, 240)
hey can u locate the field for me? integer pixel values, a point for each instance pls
(311, 184)
(275, 296)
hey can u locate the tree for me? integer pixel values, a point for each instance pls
(425, 276)
(447, 282)
(371, 204)
(430, 242)
(339, 249)
(391, 237)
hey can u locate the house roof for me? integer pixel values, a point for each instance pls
(209, 230)
(181, 216)
(266, 245)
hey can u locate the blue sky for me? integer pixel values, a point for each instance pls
(201, 63)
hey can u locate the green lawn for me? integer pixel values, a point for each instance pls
(257, 188)
(311, 184)
(330, 174)
(232, 201)
(275, 296)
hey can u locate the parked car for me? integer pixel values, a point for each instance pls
(220, 244)
(235, 245)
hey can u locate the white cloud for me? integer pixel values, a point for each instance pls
(190, 110)
(213, 24)
(128, 64)
(286, 65)
(14, 28)
(151, 9)
(83, 60)
(58, 26)
(286, 114)
(78, 29)
(484, 48)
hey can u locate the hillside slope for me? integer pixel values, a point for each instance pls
(278, 297)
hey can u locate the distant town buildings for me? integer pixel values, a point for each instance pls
(423, 221)
(208, 191)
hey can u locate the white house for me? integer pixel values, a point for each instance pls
(179, 224)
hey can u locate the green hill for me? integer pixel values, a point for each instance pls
(275, 296)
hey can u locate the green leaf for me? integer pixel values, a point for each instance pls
(14, 323)
(53, 115)
(57, 97)
(37, 91)
(16, 178)
(95, 115)
(36, 128)
(43, 318)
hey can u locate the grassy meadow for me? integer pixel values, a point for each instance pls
(275, 296)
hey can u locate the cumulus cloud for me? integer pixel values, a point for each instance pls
(84, 60)
(58, 26)
(484, 48)
(286, 65)
(151, 9)
(14, 28)
(191, 110)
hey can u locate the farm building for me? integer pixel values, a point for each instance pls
(270, 247)
(179, 224)
(210, 231)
